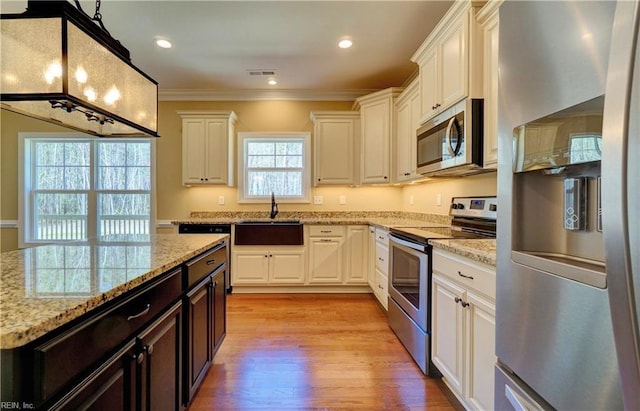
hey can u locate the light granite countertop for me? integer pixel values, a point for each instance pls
(482, 251)
(42, 288)
(384, 219)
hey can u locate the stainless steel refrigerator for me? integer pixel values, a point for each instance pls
(568, 281)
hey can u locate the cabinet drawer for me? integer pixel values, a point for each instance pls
(472, 275)
(205, 264)
(326, 231)
(382, 236)
(382, 258)
(57, 362)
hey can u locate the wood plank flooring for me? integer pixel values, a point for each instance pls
(314, 352)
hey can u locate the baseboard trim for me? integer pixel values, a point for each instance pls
(302, 289)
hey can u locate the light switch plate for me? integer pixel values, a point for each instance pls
(438, 199)
(317, 200)
(221, 200)
(343, 200)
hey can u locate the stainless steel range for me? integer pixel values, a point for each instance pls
(410, 271)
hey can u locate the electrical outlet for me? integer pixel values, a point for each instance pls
(317, 200)
(438, 199)
(343, 200)
(221, 200)
(410, 200)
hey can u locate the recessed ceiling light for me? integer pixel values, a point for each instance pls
(345, 44)
(163, 43)
(272, 82)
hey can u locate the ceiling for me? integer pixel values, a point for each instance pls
(216, 43)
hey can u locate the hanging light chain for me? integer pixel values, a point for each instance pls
(98, 17)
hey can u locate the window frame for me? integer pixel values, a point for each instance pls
(244, 137)
(26, 193)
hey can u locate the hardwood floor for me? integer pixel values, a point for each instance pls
(314, 352)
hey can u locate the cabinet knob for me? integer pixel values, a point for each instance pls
(385, 177)
(380, 287)
(457, 299)
(139, 358)
(149, 349)
(465, 304)
(319, 179)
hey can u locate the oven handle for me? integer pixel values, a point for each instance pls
(408, 244)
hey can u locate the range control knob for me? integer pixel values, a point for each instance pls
(454, 206)
(460, 206)
(493, 207)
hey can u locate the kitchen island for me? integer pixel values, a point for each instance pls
(80, 317)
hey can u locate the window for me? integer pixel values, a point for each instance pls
(274, 163)
(76, 188)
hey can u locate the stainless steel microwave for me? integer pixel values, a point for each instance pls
(450, 144)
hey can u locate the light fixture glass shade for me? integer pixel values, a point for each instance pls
(54, 70)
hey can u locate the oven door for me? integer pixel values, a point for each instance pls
(408, 278)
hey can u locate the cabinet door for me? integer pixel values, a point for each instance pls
(481, 315)
(216, 151)
(112, 387)
(376, 134)
(250, 266)
(407, 122)
(160, 372)
(429, 84)
(286, 266)
(199, 329)
(193, 154)
(325, 260)
(491, 32)
(219, 310)
(403, 142)
(452, 68)
(334, 152)
(356, 255)
(448, 333)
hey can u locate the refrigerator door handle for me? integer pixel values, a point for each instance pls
(615, 185)
(517, 402)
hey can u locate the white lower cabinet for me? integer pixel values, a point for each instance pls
(463, 327)
(254, 265)
(337, 254)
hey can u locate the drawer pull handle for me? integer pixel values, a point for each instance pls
(325, 231)
(465, 276)
(380, 287)
(141, 313)
(210, 262)
(380, 258)
(464, 304)
(457, 299)
(325, 240)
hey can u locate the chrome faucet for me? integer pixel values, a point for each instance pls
(274, 206)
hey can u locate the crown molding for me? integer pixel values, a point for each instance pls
(261, 95)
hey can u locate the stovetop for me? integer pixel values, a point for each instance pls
(424, 234)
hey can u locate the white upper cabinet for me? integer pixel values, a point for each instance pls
(489, 21)
(335, 142)
(377, 112)
(450, 61)
(407, 122)
(207, 147)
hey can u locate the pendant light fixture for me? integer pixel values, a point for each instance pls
(62, 66)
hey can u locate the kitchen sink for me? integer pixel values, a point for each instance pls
(273, 232)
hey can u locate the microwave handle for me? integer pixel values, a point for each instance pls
(453, 151)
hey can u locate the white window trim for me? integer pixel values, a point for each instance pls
(306, 166)
(23, 218)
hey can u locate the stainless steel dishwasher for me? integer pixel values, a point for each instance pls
(188, 228)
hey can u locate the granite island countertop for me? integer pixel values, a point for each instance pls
(43, 288)
(482, 251)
